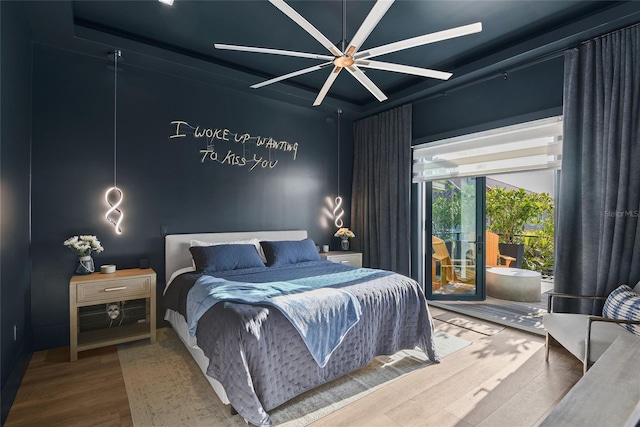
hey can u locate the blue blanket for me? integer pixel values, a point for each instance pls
(321, 314)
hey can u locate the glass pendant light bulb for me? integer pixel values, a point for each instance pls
(114, 208)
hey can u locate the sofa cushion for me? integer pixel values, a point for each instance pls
(623, 303)
(571, 331)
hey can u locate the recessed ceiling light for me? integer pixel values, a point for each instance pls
(169, 2)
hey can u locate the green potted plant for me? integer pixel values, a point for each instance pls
(508, 214)
(451, 220)
(539, 243)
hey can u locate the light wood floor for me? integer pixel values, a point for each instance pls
(498, 380)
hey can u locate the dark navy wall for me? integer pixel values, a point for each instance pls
(166, 187)
(529, 93)
(15, 145)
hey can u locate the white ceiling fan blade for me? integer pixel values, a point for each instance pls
(420, 40)
(288, 76)
(272, 51)
(406, 69)
(366, 82)
(306, 25)
(370, 22)
(327, 84)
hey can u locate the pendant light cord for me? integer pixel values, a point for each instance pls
(344, 46)
(339, 114)
(344, 26)
(114, 215)
(338, 211)
(115, 111)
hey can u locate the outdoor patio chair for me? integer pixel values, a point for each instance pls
(447, 265)
(493, 254)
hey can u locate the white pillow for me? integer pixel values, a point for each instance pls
(255, 242)
(636, 288)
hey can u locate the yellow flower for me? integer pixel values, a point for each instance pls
(344, 234)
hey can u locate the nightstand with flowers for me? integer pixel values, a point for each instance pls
(103, 296)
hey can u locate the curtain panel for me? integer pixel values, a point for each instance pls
(597, 233)
(380, 200)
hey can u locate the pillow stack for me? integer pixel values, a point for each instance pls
(210, 257)
(286, 252)
(254, 242)
(215, 258)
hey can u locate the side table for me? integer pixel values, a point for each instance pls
(353, 259)
(101, 289)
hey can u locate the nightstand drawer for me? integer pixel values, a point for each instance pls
(114, 290)
(353, 259)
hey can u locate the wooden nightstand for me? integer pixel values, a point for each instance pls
(353, 259)
(101, 289)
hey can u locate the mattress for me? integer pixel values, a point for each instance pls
(260, 358)
(254, 357)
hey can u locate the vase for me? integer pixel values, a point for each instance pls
(344, 243)
(85, 265)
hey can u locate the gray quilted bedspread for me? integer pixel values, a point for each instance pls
(262, 362)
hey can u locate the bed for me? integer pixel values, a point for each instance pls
(259, 353)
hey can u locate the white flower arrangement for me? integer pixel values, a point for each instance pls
(83, 245)
(344, 234)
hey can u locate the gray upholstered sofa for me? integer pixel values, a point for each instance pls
(586, 337)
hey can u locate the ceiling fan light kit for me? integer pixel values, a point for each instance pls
(351, 59)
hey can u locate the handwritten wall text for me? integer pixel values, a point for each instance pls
(253, 152)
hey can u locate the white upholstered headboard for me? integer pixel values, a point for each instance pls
(177, 253)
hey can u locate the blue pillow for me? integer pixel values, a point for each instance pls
(285, 252)
(209, 259)
(623, 303)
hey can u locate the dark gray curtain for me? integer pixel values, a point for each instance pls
(597, 234)
(380, 205)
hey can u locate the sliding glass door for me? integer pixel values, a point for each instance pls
(453, 235)
(451, 198)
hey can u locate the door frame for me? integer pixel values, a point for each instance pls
(424, 215)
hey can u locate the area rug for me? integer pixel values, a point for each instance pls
(165, 387)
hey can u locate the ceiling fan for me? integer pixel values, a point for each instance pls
(350, 58)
